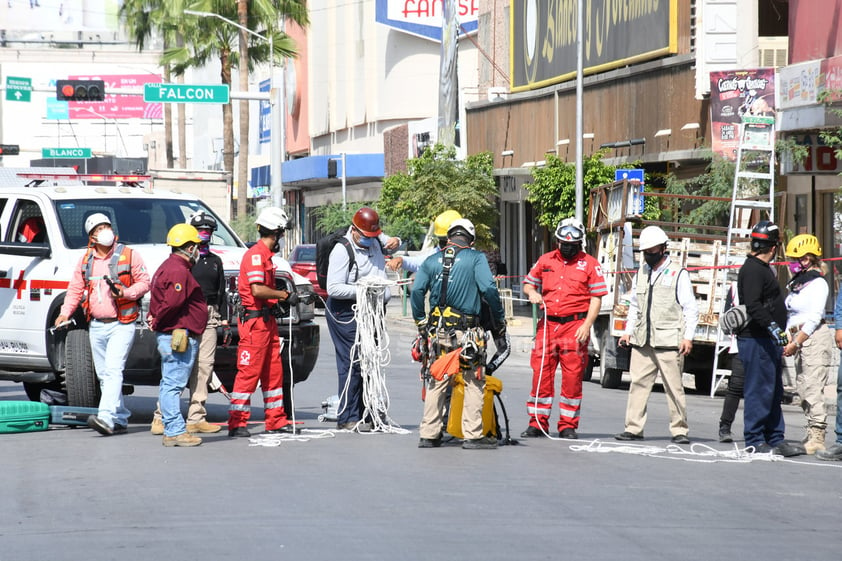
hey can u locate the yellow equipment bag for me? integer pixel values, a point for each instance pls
(493, 386)
(179, 340)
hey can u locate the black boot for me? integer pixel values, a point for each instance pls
(725, 433)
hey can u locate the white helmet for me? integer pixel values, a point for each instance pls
(272, 218)
(570, 230)
(465, 226)
(652, 236)
(95, 220)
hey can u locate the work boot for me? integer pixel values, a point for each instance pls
(626, 435)
(429, 442)
(725, 434)
(183, 439)
(832, 453)
(157, 426)
(815, 442)
(568, 433)
(239, 432)
(485, 443)
(532, 432)
(788, 450)
(201, 426)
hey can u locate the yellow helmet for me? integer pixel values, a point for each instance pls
(181, 234)
(802, 244)
(443, 222)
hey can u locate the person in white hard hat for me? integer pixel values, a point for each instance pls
(115, 279)
(259, 350)
(661, 323)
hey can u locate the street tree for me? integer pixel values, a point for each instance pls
(553, 188)
(437, 181)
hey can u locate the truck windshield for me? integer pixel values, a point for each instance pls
(135, 221)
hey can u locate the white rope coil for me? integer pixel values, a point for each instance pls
(371, 350)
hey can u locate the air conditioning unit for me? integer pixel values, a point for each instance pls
(772, 51)
(497, 94)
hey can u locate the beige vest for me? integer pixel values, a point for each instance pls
(660, 321)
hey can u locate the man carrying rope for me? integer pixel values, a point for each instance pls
(457, 278)
(343, 275)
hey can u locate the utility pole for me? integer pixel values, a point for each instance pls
(243, 73)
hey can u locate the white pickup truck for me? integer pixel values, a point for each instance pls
(42, 237)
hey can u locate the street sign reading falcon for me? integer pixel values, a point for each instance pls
(185, 93)
(543, 37)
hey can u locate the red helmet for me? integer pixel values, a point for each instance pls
(367, 221)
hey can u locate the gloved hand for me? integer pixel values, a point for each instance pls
(778, 334)
(503, 349)
(292, 299)
(498, 331)
(226, 335)
(422, 327)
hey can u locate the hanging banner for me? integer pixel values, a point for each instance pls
(734, 94)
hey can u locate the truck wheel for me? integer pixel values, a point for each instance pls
(79, 376)
(588, 373)
(610, 378)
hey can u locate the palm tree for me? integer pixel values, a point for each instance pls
(207, 38)
(143, 20)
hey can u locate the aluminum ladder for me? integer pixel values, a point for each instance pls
(753, 194)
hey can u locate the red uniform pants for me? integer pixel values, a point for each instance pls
(258, 358)
(559, 340)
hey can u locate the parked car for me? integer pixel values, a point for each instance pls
(303, 261)
(34, 275)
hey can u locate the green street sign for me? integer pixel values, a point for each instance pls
(18, 89)
(185, 93)
(66, 152)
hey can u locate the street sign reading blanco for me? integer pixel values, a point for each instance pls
(66, 152)
(184, 93)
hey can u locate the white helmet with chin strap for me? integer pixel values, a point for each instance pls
(272, 218)
(462, 225)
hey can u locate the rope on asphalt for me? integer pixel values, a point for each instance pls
(301, 435)
(696, 452)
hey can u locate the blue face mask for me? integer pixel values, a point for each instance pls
(364, 241)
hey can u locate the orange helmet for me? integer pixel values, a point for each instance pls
(367, 221)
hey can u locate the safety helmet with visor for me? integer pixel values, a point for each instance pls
(570, 230)
(201, 220)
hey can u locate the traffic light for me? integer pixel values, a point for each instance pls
(9, 150)
(80, 90)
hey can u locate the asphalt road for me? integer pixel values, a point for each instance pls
(70, 494)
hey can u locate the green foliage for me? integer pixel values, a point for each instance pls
(553, 189)
(436, 182)
(718, 181)
(244, 227)
(332, 217)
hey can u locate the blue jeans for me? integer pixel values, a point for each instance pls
(175, 371)
(763, 389)
(839, 405)
(110, 345)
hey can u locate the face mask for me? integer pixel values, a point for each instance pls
(105, 237)
(568, 250)
(278, 242)
(205, 236)
(795, 267)
(652, 259)
(364, 241)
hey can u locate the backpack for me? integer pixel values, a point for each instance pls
(734, 320)
(323, 248)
